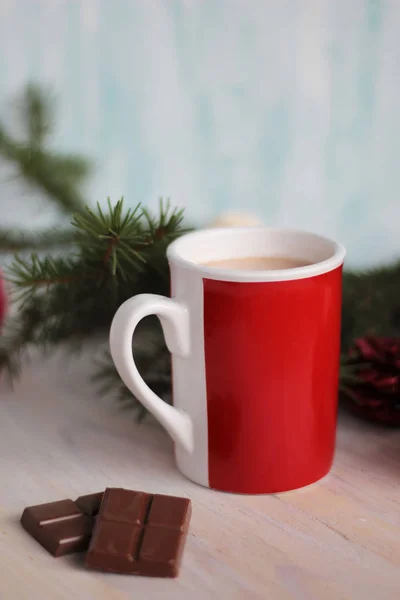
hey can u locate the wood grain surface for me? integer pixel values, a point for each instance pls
(336, 540)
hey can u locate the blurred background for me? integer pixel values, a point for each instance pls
(288, 109)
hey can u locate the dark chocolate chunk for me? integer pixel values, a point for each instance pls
(90, 503)
(60, 527)
(139, 534)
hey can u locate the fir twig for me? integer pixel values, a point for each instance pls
(36, 110)
(116, 235)
(112, 254)
(80, 292)
(371, 303)
(12, 241)
(28, 276)
(167, 222)
(58, 176)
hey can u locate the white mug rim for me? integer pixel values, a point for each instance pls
(176, 256)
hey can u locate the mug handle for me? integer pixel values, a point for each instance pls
(174, 318)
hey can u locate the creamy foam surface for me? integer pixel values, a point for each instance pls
(258, 263)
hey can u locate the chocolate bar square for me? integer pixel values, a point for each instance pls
(169, 511)
(161, 552)
(60, 527)
(51, 512)
(117, 545)
(125, 506)
(138, 533)
(90, 503)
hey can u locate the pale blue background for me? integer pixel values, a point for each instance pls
(286, 108)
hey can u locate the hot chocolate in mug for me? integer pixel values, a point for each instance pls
(255, 356)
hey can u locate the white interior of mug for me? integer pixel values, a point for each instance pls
(206, 245)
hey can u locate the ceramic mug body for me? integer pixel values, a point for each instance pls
(255, 359)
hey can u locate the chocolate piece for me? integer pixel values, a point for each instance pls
(60, 527)
(139, 534)
(90, 503)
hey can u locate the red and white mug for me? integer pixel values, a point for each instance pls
(255, 358)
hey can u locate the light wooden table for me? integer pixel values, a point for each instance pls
(338, 539)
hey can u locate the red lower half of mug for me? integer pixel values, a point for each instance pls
(272, 364)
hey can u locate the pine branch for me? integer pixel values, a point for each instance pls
(52, 176)
(16, 241)
(165, 225)
(29, 276)
(117, 238)
(58, 176)
(114, 259)
(371, 303)
(112, 255)
(36, 110)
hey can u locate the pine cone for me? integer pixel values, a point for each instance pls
(376, 394)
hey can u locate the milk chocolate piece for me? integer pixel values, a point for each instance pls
(60, 527)
(90, 503)
(139, 534)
